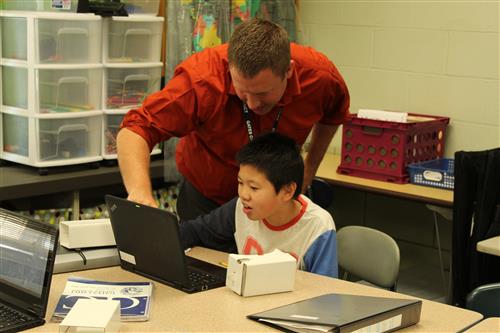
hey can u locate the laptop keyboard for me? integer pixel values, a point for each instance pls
(10, 317)
(201, 279)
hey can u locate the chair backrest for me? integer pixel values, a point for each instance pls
(321, 193)
(369, 254)
(485, 299)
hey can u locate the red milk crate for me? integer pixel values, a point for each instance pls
(382, 150)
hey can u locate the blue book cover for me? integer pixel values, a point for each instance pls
(134, 297)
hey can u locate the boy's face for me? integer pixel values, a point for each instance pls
(257, 193)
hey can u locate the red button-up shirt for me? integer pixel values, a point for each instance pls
(199, 104)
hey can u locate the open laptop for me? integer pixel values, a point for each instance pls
(149, 244)
(27, 255)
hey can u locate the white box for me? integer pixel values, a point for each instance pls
(86, 233)
(250, 275)
(92, 316)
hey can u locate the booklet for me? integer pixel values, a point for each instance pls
(134, 297)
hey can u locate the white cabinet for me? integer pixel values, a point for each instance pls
(51, 88)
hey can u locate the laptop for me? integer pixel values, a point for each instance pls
(27, 255)
(149, 244)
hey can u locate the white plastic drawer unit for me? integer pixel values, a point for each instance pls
(68, 40)
(15, 134)
(133, 39)
(15, 87)
(68, 138)
(69, 90)
(45, 5)
(14, 38)
(126, 87)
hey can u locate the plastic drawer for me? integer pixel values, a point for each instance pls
(68, 138)
(14, 45)
(111, 126)
(127, 87)
(15, 134)
(134, 40)
(69, 41)
(69, 90)
(15, 87)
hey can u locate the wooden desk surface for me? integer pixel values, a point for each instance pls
(328, 171)
(490, 325)
(222, 310)
(490, 246)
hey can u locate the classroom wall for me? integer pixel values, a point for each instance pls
(430, 57)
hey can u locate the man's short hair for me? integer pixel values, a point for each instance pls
(259, 44)
(277, 157)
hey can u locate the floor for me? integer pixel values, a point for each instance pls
(421, 277)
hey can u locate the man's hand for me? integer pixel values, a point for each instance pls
(144, 198)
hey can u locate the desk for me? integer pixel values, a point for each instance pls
(490, 325)
(19, 181)
(222, 310)
(490, 246)
(429, 195)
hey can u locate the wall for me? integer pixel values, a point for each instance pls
(438, 58)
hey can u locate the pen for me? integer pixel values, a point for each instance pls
(223, 264)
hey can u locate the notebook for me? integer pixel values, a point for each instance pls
(148, 242)
(27, 255)
(343, 313)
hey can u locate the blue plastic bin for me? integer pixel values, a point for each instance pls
(435, 173)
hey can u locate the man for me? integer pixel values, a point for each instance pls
(219, 99)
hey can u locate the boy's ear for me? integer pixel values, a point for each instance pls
(288, 190)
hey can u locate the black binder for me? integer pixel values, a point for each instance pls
(343, 313)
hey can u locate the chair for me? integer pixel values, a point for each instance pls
(485, 299)
(320, 192)
(368, 254)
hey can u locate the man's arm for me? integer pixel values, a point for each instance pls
(133, 159)
(320, 140)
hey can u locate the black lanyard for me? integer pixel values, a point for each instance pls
(248, 121)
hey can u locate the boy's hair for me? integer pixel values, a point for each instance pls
(259, 44)
(277, 157)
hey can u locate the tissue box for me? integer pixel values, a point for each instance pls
(250, 275)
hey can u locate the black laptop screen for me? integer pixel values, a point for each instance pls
(24, 254)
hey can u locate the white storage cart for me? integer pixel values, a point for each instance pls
(51, 79)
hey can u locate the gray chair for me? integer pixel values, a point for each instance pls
(369, 254)
(485, 299)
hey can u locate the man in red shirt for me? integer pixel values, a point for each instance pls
(221, 98)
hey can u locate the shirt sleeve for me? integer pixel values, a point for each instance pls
(337, 99)
(214, 230)
(321, 256)
(170, 112)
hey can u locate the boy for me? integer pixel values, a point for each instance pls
(269, 212)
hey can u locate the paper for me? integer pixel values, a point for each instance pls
(134, 297)
(299, 327)
(400, 117)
